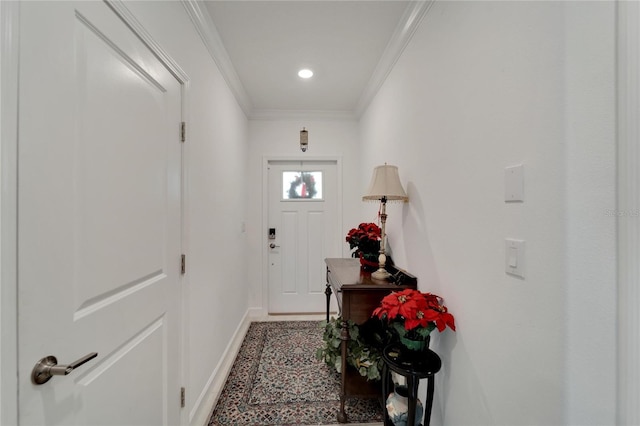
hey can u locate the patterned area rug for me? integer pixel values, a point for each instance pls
(276, 380)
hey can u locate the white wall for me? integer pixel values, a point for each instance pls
(336, 138)
(216, 167)
(483, 86)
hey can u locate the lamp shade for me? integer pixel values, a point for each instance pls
(385, 182)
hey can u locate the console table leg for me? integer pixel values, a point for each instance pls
(344, 336)
(327, 291)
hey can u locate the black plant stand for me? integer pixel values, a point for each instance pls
(414, 367)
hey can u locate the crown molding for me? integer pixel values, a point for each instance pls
(413, 15)
(403, 33)
(206, 29)
(288, 114)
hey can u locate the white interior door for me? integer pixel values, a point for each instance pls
(99, 220)
(303, 211)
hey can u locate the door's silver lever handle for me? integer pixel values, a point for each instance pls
(273, 245)
(48, 367)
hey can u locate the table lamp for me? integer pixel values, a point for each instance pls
(385, 186)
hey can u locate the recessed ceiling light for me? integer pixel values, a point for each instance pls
(305, 73)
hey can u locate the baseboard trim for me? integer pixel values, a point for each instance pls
(207, 400)
(254, 313)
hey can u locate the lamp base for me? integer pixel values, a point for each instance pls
(380, 274)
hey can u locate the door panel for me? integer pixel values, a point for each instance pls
(101, 67)
(306, 234)
(289, 251)
(316, 223)
(99, 219)
(129, 360)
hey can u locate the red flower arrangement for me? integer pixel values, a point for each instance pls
(366, 238)
(414, 315)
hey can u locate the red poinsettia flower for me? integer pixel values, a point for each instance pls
(366, 238)
(401, 303)
(445, 319)
(415, 310)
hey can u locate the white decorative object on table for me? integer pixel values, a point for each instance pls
(398, 407)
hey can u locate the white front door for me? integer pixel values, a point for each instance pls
(99, 201)
(303, 214)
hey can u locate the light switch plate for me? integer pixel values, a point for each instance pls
(514, 183)
(514, 257)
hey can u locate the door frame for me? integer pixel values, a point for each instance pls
(9, 60)
(120, 8)
(9, 76)
(264, 239)
(628, 188)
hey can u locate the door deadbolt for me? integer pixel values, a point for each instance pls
(273, 245)
(48, 367)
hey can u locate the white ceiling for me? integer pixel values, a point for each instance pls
(349, 45)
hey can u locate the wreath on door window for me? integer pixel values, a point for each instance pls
(308, 186)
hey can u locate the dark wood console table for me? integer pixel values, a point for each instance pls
(358, 295)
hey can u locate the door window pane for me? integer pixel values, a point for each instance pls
(298, 185)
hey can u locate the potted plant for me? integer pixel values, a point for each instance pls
(365, 239)
(413, 315)
(363, 347)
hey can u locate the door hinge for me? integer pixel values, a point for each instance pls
(182, 397)
(183, 264)
(183, 131)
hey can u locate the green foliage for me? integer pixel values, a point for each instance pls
(417, 333)
(364, 349)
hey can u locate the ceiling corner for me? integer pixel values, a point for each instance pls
(407, 26)
(273, 114)
(209, 34)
